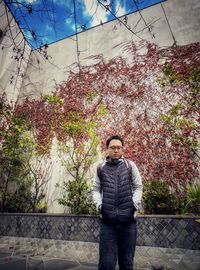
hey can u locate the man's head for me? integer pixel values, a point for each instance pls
(114, 146)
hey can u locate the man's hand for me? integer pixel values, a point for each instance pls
(99, 208)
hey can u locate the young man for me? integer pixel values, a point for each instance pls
(117, 192)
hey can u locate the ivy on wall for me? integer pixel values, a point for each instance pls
(139, 98)
(152, 100)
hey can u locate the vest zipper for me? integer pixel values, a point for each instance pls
(116, 195)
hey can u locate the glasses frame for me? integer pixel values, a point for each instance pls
(115, 147)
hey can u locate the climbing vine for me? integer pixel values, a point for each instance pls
(151, 99)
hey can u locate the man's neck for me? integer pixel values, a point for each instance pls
(114, 160)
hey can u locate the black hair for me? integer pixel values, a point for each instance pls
(114, 137)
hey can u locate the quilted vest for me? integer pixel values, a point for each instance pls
(117, 203)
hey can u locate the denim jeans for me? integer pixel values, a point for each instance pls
(117, 242)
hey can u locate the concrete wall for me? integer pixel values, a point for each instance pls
(12, 46)
(173, 22)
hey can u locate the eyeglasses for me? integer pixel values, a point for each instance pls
(115, 147)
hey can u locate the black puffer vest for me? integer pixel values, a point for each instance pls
(117, 204)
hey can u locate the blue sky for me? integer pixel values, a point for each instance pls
(47, 21)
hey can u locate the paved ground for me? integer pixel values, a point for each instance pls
(9, 261)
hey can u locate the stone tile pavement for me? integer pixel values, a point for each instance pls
(11, 261)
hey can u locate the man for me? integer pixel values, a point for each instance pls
(117, 192)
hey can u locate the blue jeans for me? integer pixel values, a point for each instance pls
(117, 241)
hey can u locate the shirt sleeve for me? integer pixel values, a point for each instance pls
(97, 191)
(137, 186)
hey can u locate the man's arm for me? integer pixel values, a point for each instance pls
(97, 192)
(137, 186)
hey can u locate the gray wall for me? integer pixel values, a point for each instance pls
(173, 22)
(155, 231)
(164, 242)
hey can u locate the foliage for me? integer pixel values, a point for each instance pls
(13, 152)
(16, 201)
(158, 199)
(154, 106)
(193, 199)
(41, 207)
(72, 114)
(182, 118)
(77, 196)
(77, 157)
(20, 186)
(72, 121)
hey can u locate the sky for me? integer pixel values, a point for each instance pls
(47, 21)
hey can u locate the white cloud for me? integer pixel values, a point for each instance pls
(28, 1)
(97, 11)
(65, 3)
(48, 28)
(32, 1)
(28, 35)
(70, 23)
(119, 9)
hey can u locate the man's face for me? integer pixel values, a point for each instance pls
(115, 149)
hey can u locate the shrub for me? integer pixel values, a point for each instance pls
(158, 199)
(193, 198)
(77, 196)
(17, 201)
